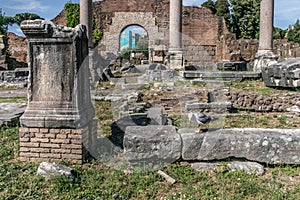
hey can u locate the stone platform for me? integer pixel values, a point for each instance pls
(232, 76)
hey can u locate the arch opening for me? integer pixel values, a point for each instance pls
(134, 44)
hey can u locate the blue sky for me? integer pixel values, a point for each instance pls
(286, 11)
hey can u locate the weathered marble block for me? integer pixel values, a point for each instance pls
(59, 91)
(271, 146)
(151, 147)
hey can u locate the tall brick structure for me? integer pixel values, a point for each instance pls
(58, 123)
(200, 28)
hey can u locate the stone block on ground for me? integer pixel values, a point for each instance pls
(206, 166)
(283, 74)
(151, 147)
(271, 146)
(157, 116)
(248, 167)
(51, 170)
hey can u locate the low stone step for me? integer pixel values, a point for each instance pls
(212, 105)
(210, 82)
(233, 76)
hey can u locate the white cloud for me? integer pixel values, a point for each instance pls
(27, 5)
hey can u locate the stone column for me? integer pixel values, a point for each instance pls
(86, 18)
(175, 35)
(86, 15)
(58, 122)
(265, 56)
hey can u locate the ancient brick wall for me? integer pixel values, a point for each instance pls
(17, 47)
(201, 25)
(55, 145)
(229, 48)
(201, 29)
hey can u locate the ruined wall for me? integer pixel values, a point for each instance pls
(17, 47)
(61, 18)
(285, 49)
(200, 27)
(229, 48)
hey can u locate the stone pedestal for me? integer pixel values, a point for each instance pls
(176, 59)
(59, 102)
(263, 59)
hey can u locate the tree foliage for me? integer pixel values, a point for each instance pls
(294, 33)
(18, 18)
(210, 4)
(72, 14)
(4, 22)
(279, 33)
(242, 17)
(222, 9)
(245, 18)
(25, 16)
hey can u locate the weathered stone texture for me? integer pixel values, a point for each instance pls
(283, 74)
(17, 47)
(202, 26)
(229, 48)
(52, 170)
(248, 100)
(272, 146)
(151, 146)
(59, 94)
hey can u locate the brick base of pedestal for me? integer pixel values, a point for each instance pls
(54, 145)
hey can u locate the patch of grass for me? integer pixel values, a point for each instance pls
(97, 181)
(105, 116)
(13, 99)
(261, 120)
(258, 86)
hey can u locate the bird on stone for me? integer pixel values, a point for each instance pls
(199, 119)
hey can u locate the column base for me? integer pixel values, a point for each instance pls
(176, 60)
(264, 58)
(57, 144)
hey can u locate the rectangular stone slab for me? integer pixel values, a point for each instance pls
(151, 146)
(272, 146)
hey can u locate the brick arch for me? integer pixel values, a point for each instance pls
(121, 20)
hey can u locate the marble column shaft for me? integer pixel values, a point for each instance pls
(175, 31)
(86, 17)
(266, 25)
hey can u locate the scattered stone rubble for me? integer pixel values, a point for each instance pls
(52, 170)
(284, 74)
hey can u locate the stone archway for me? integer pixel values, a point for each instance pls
(121, 20)
(134, 43)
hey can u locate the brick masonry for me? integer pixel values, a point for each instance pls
(54, 145)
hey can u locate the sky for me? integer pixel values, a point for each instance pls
(286, 11)
(124, 40)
